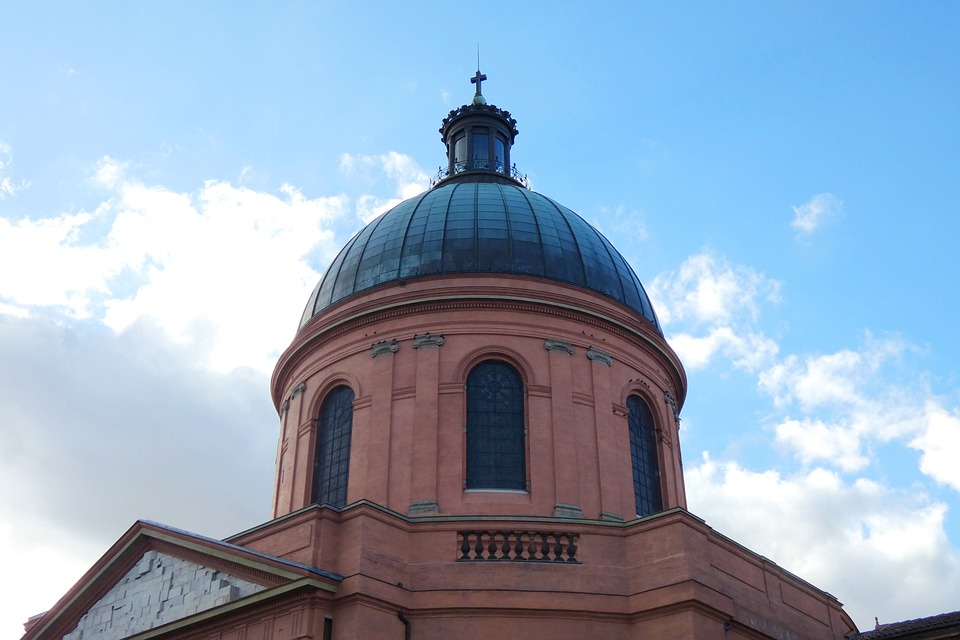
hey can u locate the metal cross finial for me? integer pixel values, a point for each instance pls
(477, 79)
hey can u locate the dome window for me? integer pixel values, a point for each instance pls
(499, 155)
(496, 447)
(460, 153)
(643, 457)
(331, 462)
(481, 151)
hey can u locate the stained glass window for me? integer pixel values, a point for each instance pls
(331, 464)
(643, 454)
(496, 456)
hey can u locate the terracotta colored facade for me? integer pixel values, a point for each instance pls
(413, 552)
(408, 425)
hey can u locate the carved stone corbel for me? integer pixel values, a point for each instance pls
(673, 407)
(428, 340)
(600, 356)
(558, 345)
(384, 347)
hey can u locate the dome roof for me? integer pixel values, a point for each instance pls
(480, 227)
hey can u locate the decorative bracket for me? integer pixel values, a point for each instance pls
(599, 356)
(383, 347)
(428, 340)
(673, 406)
(297, 390)
(558, 345)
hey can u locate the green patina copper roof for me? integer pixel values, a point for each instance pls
(477, 227)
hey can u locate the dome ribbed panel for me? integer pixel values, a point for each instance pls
(480, 228)
(380, 260)
(323, 294)
(526, 243)
(460, 230)
(422, 252)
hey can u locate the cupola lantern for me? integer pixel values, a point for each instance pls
(478, 137)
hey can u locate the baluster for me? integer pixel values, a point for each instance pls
(478, 547)
(492, 546)
(532, 546)
(571, 548)
(465, 545)
(505, 549)
(518, 546)
(544, 547)
(557, 548)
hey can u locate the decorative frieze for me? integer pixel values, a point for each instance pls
(600, 356)
(384, 347)
(558, 345)
(428, 340)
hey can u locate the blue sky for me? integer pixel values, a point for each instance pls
(174, 178)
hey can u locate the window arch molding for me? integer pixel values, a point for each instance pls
(496, 442)
(511, 357)
(651, 394)
(331, 444)
(645, 434)
(329, 383)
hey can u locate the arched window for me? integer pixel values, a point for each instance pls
(643, 455)
(481, 151)
(331, 464)
(496, 457)
(460, 153)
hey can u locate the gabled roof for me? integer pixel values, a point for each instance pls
(160, 578)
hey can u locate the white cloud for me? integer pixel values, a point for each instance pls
(718, 303)
(815, 441)
(224, 269)
(940, 442)
(821, 208)
(709, 290)
(747, 350)
(100, 429)
(43, 263)
(109, 172)
(137, 338)
(408, 178)
(880, 551)
(847, 400)
(620, 222)
(8, 187)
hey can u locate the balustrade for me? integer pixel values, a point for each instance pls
(518, 546)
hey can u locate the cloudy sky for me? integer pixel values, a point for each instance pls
(175, 177)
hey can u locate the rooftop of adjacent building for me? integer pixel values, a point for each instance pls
(944, 625)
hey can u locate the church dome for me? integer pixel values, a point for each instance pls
(463, 227)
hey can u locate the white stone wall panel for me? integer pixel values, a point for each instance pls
(159, 589)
